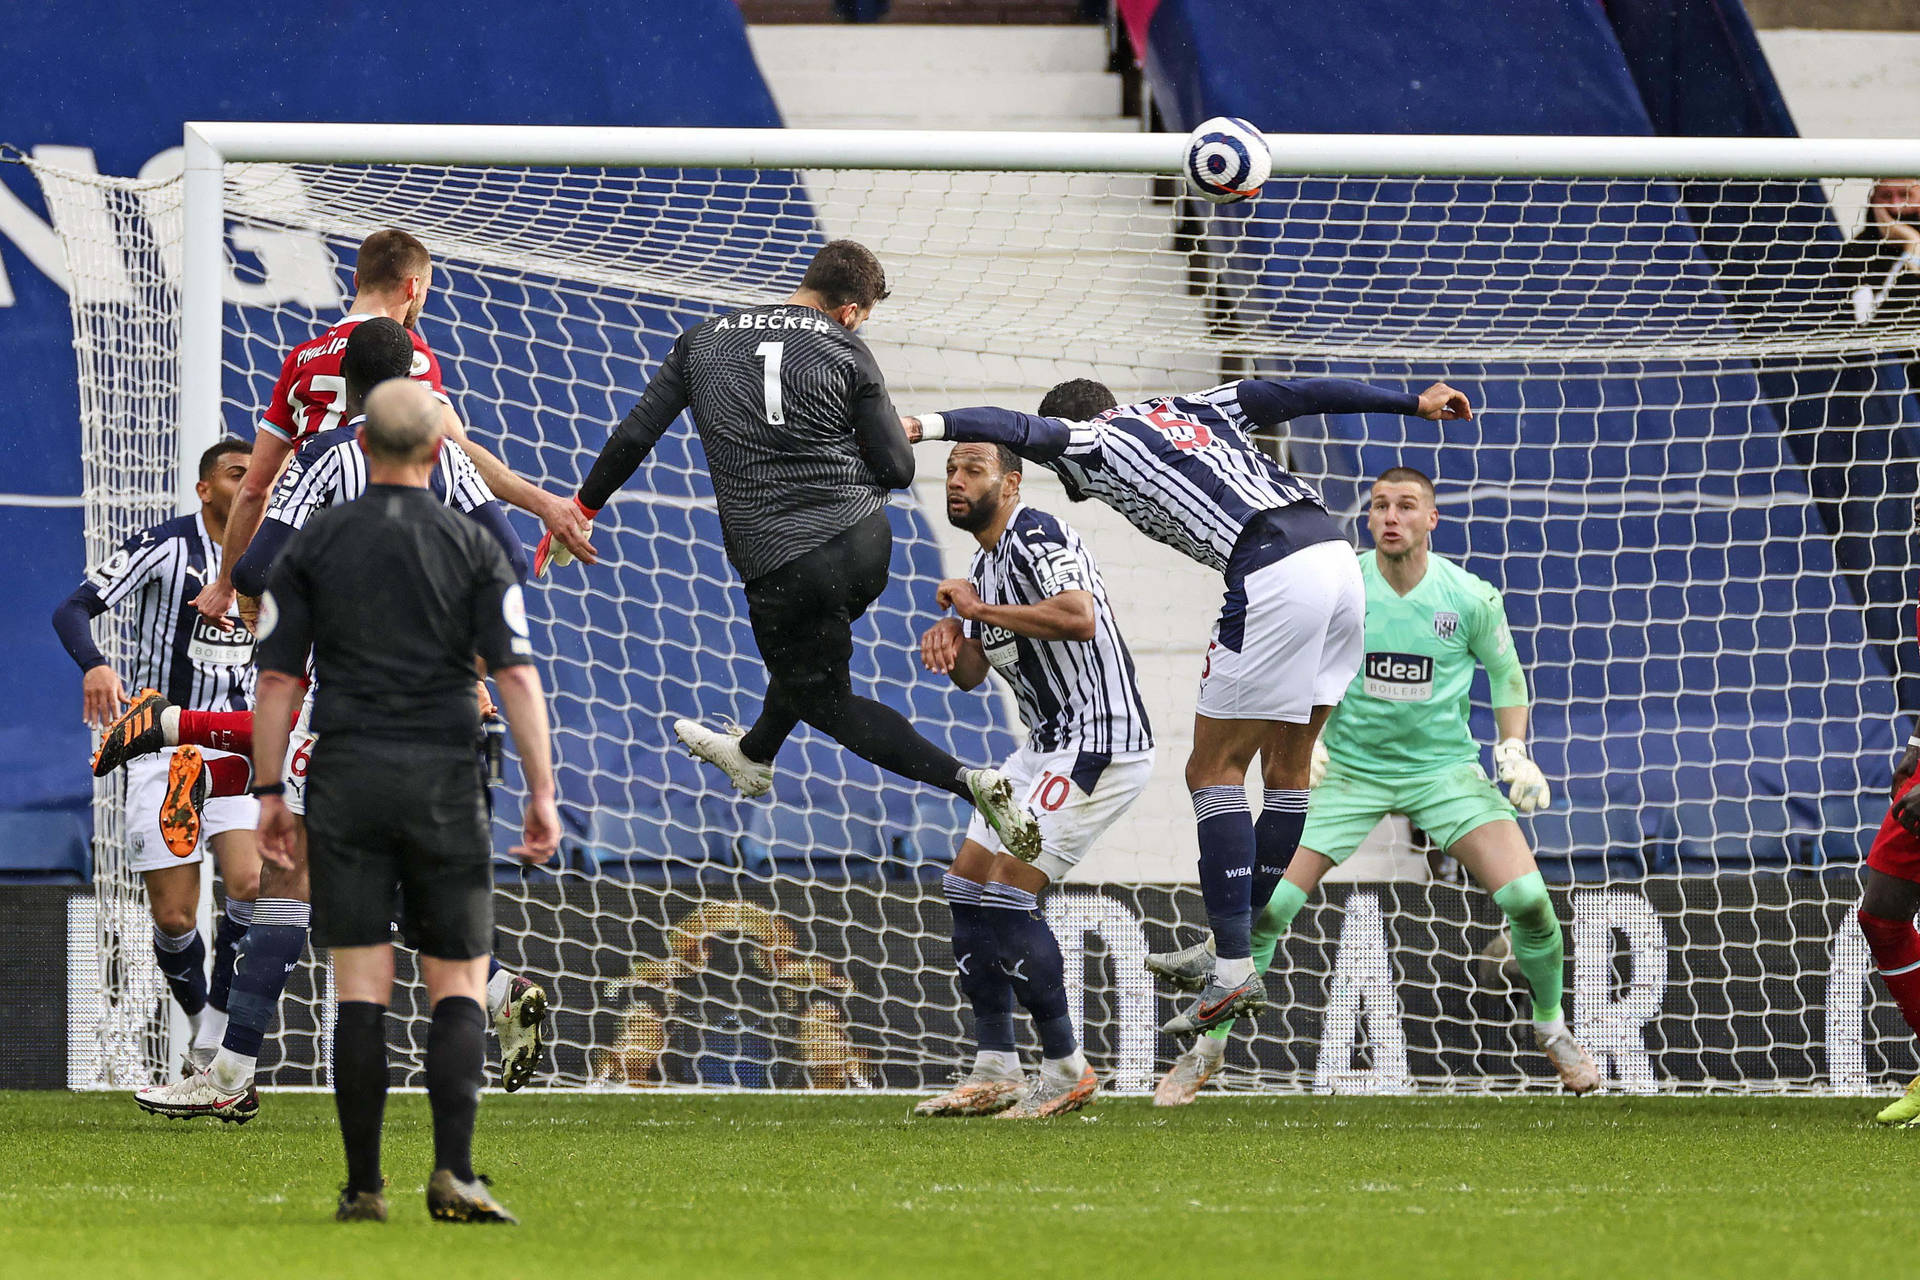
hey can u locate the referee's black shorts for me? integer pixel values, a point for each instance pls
(398, 831)
(803, 612)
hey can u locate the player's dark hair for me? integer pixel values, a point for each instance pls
(846, 271)
(1407, 475)
(1010, 464)
(377, 349)
(1078, 400)
(226, 445)
(387, 258)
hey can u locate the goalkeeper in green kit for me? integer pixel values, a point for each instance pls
(1398, 743)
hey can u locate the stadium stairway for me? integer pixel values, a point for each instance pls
(1033, 242)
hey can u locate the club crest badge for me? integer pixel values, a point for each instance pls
(1445, 623)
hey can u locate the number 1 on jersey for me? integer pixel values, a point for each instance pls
(770, 353)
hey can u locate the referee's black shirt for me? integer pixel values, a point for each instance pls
(395, 593)
(801, 439)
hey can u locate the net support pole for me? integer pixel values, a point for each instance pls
(203, 272)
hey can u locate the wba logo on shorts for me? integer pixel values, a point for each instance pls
(1399, 677)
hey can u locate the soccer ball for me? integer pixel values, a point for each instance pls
(1227, 160)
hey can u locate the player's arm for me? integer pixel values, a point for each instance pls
(663, 401)
(946, 649)
(286, 637)
(876, 426)
(1491, 641)
(1033, 437)
(1270, 403)
(270, 450)
(1068, 615)
(501, 642)
(107, 584)
(563, 519)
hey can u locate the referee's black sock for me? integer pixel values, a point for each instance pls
(360, 1088)
(456, 1068)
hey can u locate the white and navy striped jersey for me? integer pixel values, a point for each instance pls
(1183, 470)
(331, 468)
(1073, 694)
(194, 663)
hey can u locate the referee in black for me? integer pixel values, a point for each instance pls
(803, 445)
(396, 595)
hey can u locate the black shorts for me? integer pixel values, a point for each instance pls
(803, 612)
(398, 831)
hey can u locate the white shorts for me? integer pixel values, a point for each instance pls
(299, 755)
(1290, 638)
(147, 786)
(1053, 787)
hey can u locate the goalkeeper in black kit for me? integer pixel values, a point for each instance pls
(803, 445)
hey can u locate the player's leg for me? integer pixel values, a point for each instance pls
(802, 616)
(151, 724)
(1282, 627)
(239, 861)
(1285, 759)
(1468, 817)
(363, 984)
(1886, 915)
(1075, 796)
(173, 899)
(995, 1078)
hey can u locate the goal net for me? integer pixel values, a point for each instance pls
(1690, 473)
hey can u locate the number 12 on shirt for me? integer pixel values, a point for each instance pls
(770, 353)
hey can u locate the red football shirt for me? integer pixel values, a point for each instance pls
(309, 396)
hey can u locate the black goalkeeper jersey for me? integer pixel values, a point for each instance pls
(801, 439)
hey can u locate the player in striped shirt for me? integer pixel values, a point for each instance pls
(205, 669)
(1185, 471)
(391, 275)
(1033, 609)
(329, 470)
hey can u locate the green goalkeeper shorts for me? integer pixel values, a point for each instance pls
(1446, 805)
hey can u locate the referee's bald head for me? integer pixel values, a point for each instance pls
(403, 422)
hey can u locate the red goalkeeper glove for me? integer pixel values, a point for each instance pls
(556, 553)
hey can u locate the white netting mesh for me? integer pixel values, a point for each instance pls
(1690, 470)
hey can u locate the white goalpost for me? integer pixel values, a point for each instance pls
(1688, 474)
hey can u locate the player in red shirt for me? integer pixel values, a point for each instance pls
(1888, 907)
(390, 279)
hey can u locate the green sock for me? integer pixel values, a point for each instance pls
(1285, 904)
(1536, 941)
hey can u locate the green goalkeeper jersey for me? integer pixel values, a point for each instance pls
(1406, 712)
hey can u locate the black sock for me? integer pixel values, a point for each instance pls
(1276, 835)
(183, 962)
(360, 1088)
(231, 927)
(456, 1068)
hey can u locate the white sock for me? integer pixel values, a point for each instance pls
(195, 1021)
(170, 726)
(1004, 1062)
(497, 988)
(1069, 1068)
(1547, 1030)
(212, 1029)
(1231, 973)
(1208, 1047)
(231, 1071)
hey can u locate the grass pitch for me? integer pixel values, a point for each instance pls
(642, 1186)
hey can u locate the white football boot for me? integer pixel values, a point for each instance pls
(721, 748)
(1575, 1065)
(1192, 1069)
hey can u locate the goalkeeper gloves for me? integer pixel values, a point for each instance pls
(1317, 764)
(556, 553)
(1526, 785)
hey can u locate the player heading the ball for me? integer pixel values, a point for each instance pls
(1184, 470)
(803, 445)
(1398, 743)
